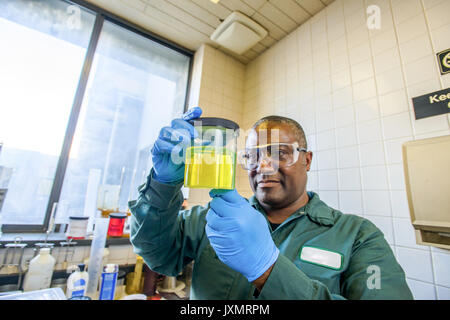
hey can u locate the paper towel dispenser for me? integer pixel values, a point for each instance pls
(426, 165)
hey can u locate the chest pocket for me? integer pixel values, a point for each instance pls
(321, 264)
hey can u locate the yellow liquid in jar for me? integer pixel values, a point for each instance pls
(209, 167)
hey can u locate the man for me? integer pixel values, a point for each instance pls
(282, 243)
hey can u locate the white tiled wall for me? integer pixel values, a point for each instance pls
(351, 89)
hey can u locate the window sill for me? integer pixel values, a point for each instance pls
(32, 238)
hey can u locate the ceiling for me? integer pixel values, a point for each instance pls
(190, 23)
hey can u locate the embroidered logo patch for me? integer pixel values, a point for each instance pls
(322, 257)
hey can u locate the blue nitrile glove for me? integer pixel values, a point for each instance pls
(239, 234)
(167, 152)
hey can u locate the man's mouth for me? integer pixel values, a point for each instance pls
(268, 183)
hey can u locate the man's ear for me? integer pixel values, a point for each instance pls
(308, 157)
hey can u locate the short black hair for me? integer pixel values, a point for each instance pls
(299, 132)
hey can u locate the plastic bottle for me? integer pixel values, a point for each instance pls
(77, 282)
(40, 271)
(108, 284)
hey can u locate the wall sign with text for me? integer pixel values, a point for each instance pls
(444, 61)
(432, 104)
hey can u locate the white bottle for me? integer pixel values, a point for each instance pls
(77, 282)
(40, 271)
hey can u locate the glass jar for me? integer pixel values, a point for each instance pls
(210, 161)
(77, 227)
(116, 223)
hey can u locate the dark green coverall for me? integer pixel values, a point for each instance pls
(168, 239)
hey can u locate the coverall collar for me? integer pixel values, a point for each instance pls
(316, 210)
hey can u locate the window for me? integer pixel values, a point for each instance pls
(83, 96)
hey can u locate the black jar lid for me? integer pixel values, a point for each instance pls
(118, 215)
(216, 122)
(78, 218)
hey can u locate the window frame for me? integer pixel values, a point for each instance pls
(101, 15)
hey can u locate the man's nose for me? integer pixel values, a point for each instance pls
(266, 165)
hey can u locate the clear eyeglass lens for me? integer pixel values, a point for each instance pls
(279, 155)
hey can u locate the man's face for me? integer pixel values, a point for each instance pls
(277, 187)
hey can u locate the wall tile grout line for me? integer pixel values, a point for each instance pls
(430, 37)
(338, 177)
(356, 131)
(380, 121)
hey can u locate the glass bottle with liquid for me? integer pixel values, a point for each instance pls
(210, 161)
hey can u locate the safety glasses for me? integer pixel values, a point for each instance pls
(278, 155)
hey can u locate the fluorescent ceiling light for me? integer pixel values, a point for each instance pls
(215, 1)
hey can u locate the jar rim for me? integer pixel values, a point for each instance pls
(215, 122)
